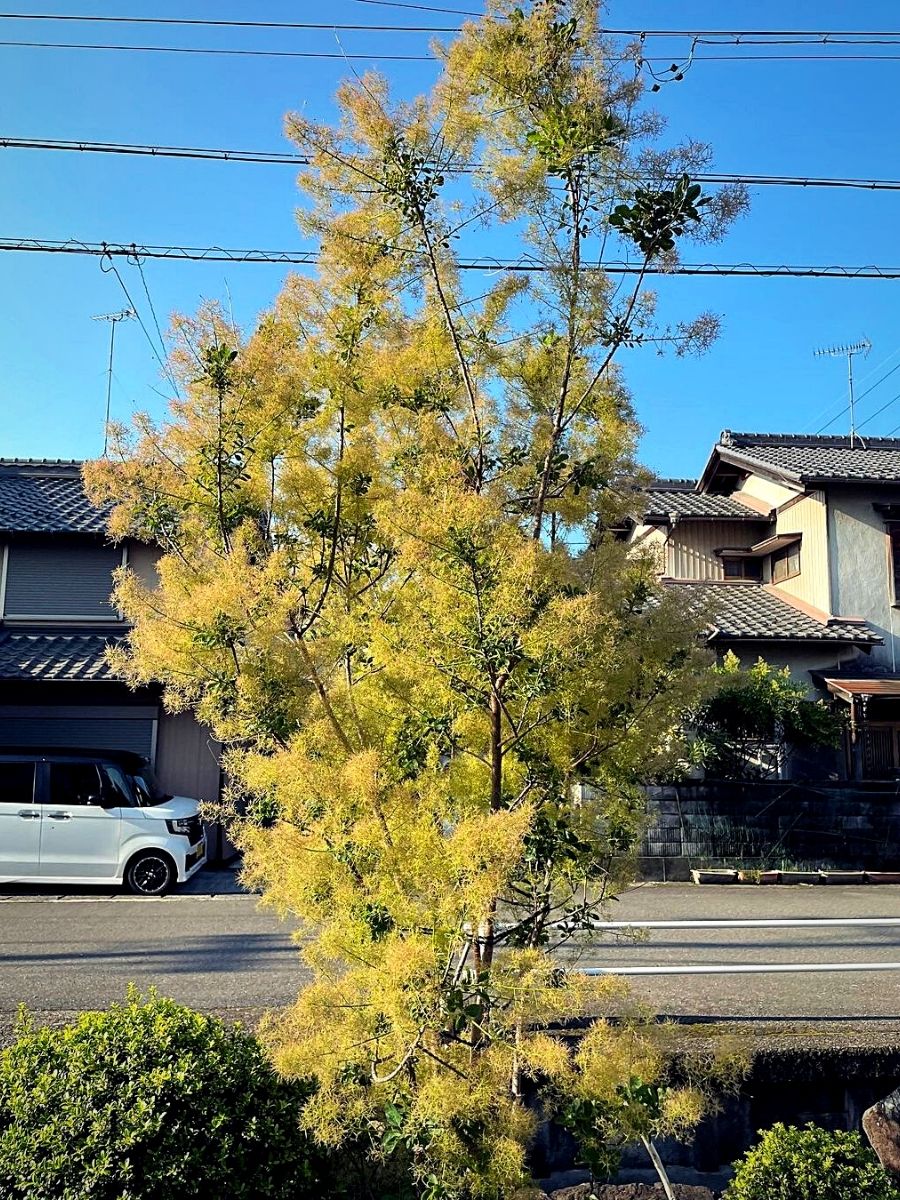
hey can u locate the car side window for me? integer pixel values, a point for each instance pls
(74, 784)
(115, 787)
(16, 783)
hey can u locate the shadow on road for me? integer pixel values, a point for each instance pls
(191, 955)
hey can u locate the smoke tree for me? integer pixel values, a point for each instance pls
(389, 583)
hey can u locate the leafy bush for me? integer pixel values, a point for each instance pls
(810, 1164)
(755, 717)
(148, 1100)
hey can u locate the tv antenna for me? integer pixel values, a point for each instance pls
(114, 318)
(848, 352)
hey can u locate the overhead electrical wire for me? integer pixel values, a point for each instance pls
(878, 411)
(748, 37)
(135, 252)
(864, 379)
(213, 23)
(378, 56)
(862, 395)
(238, 53)
(459, 12)
(209, 154)
(289, 159)
(134, 308)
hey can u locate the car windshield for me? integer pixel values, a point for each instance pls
(147, 788)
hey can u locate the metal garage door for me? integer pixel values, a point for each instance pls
(81, 726)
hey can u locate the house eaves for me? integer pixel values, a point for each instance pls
(806, 460)
(746, 611)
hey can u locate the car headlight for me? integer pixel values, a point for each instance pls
(182, 825)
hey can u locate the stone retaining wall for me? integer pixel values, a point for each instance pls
(817, 824)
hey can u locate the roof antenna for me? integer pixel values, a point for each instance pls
(114, 318)
(848, 352)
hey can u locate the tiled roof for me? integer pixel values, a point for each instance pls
(64, 657)
(662, 504)
(740, 611)
(808, 459)
(39, 496)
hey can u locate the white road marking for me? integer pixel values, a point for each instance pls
(37, 899)
(751, 923)
(740, 969)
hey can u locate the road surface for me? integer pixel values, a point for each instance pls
(225, 953)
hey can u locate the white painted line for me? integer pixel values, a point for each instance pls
(740, 968)
(752, 923)
(38, 899)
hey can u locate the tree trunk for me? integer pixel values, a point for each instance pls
(658, 1164)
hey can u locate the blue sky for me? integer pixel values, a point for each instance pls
(804, 118)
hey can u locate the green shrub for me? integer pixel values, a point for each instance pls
(148, 1101)
(810, 1164)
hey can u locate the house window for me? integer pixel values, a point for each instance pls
(742, 568)
(786, 563)
(894, 535)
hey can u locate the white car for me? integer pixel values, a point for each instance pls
(94, 817)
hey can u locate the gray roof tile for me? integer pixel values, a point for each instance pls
(46, 497)
(749, 611)
(809, 459)
(663, 504)
(64, 657)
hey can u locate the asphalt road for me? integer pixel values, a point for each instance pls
(224, 953)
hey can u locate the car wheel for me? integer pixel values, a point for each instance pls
(151, 873)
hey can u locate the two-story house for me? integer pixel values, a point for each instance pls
(56, 621)
(792, 543)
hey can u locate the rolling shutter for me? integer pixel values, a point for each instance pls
(82, 728)
(43, 580)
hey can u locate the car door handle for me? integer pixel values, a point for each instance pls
(29, 814)
(60, 816)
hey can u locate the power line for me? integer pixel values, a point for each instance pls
(162, 342)
(223, 24)
(459, 12)
(284, 158)
(817, 34)
(868, 375)
(862, 395)
(134, 251)
(220, 51)
(750, 37)
(201, 152)
(879, 411)
(134, 310)
(379, 57)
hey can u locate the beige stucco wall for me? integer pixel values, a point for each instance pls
(650, 539)
(808, 518)
(861, 580)
(800, 659)
(764, 489)
(693, 546)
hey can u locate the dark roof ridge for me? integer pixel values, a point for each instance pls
(730, 437)
(48, 468)
(672, 485)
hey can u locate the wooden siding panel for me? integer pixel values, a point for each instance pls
(187, 757)
(142, 560)
(808, 518)
(693, 546)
